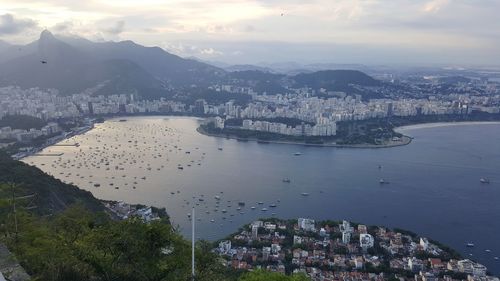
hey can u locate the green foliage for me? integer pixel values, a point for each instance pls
(23, 122)
(79, 245)
(50, 194)
(261, 275)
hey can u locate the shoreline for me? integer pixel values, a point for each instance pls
(406, 140)
(443, 124)
(67, 136)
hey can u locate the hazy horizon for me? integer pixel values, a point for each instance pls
(423, 32)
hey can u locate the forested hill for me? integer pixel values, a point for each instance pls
(50, 195)
(55, 238)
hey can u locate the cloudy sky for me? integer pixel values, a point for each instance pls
(252, 31)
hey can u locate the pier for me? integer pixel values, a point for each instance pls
(49, 154)
(69, 144)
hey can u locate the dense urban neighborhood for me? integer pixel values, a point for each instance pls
(317, 115)
(330, 250)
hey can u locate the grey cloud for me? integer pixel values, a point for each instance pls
(249, 28)
(10, 25)
(116, 29)
(62, 27)
(265, 51)
(188, 50)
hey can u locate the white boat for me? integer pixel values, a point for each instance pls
(304, 194)
(484, 180)
(297, 154)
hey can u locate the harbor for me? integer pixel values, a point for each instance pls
(115, 162)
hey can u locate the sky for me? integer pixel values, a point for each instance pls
(454, 32)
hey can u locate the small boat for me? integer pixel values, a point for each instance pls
(487, 251)
(260, 203)
(220, 148)
(241, 203)
(484, 180)
(297, 154)
(496, 258)
(212, 220)
(272, 205)
(470, 245)
(224, 211)
(253, 208)
(382, 181)
(286, 180)
(97, 185)
(304, 194)
(180, 167)
(217, 197)
(264, 209)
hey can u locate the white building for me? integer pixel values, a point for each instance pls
(366, 241)
(306, 224)
(346, 237)
(424, 243)
(219, 123)
(225, 247)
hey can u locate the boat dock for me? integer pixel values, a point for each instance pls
(49, 154)
(67, 144)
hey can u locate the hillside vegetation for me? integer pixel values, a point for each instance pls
(59, 232)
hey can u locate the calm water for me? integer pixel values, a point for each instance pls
(434, 185)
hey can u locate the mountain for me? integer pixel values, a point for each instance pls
(73, 65)
(247, 67)
(334, 80)
(167, 67)
(260, 81)
(331, 80)
(16, 51)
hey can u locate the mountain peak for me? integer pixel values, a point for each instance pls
(46, 34)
